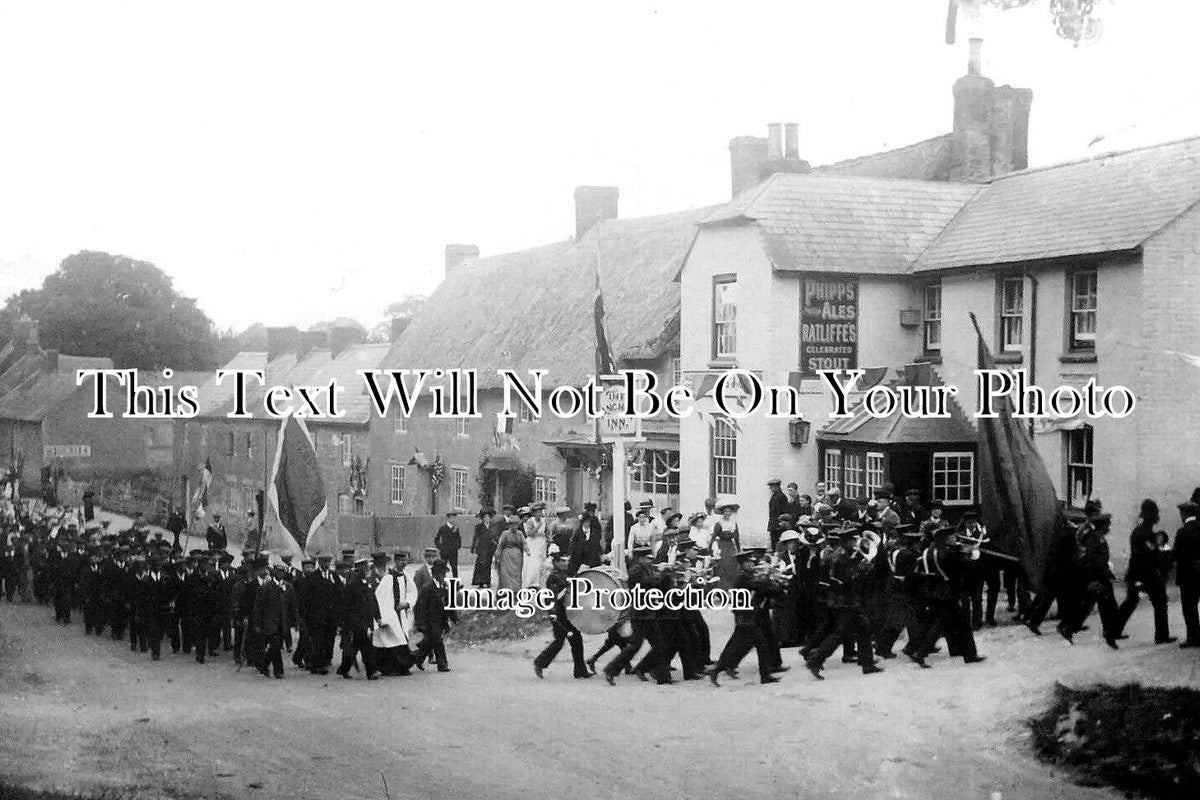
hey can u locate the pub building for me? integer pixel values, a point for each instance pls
(1077, 271)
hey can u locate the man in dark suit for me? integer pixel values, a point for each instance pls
(322, 591)
(203, 588)
(448, 540)
(777, 504)
(268, 619)
(361, 612)
(432, 619)
(156, 590)
(95, 598)
(176, 524)
(1187, 570)
(424, 575)
(216, 535)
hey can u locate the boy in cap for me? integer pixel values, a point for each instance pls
(268, 618)
(1094, 580)
(424, 574)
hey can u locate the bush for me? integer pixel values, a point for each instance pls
(1138, 739)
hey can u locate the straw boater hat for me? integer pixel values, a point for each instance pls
(561, 510)
(789, 536)
(724, 504)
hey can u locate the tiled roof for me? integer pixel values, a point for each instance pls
(533, 308)
(861, 428)
(853, 224)
(1103, 204)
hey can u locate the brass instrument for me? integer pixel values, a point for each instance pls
(866, 547)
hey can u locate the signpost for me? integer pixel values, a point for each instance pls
(66, 451)
(616, 428)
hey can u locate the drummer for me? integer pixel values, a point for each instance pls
(559, 582)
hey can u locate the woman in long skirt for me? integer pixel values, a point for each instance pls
(537, 543)
(726, 543)
(510, 557)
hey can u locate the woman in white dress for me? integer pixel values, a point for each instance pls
(537, 542)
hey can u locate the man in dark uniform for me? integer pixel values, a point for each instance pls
(777, 504)
(747, 627)
(641, 573)
(156, 596)
(268, 616)
(203, 590)
(558, 581)
(1147, 573)
(300, 587)
(59, 569)
(845, 573)
(323, 589)
(1187, 570)
(448, 540)
(360, 613)
(942, 567)
(225, 609)
(95, 598)
(241, 602)
(1093, 582)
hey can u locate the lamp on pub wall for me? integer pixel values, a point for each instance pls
(798, 430)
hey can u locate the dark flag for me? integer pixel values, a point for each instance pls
(1018, 503)
(604, 359)
(296, 490)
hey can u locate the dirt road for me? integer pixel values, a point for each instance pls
(84, 713)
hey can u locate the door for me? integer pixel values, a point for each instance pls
(911, 469)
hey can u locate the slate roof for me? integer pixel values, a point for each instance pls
(533, 308)
(1107, 203)
(315, 368)
(925, 160)
(29, 391)
(834, 223)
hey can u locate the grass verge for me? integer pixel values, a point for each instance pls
(1142, 740)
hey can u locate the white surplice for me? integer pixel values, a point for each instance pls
(393, 628)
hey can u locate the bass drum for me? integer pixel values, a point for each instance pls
(593, 616)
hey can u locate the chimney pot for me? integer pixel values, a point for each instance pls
(774, 140)
(975, 56)
(51, 360)
(791, 140)
(593, 205)
(456, 254)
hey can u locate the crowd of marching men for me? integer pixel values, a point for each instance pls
(137, 586)
(849, 574)
(860, 574)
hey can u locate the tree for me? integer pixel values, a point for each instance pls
(1074, 20)
(98, 304)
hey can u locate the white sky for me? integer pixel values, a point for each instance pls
(288, 162)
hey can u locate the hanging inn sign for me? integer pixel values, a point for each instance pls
(828, 324)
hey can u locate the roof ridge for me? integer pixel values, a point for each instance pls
(911, 268)
(1093, 157)
(853, 159)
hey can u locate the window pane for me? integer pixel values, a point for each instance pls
(723, 457)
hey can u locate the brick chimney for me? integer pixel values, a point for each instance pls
(991, 125)
(342, 337)
(747, 154)
(751, 159)
(51, 357)
(593, 205)
(281, 341)
(456, 254)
